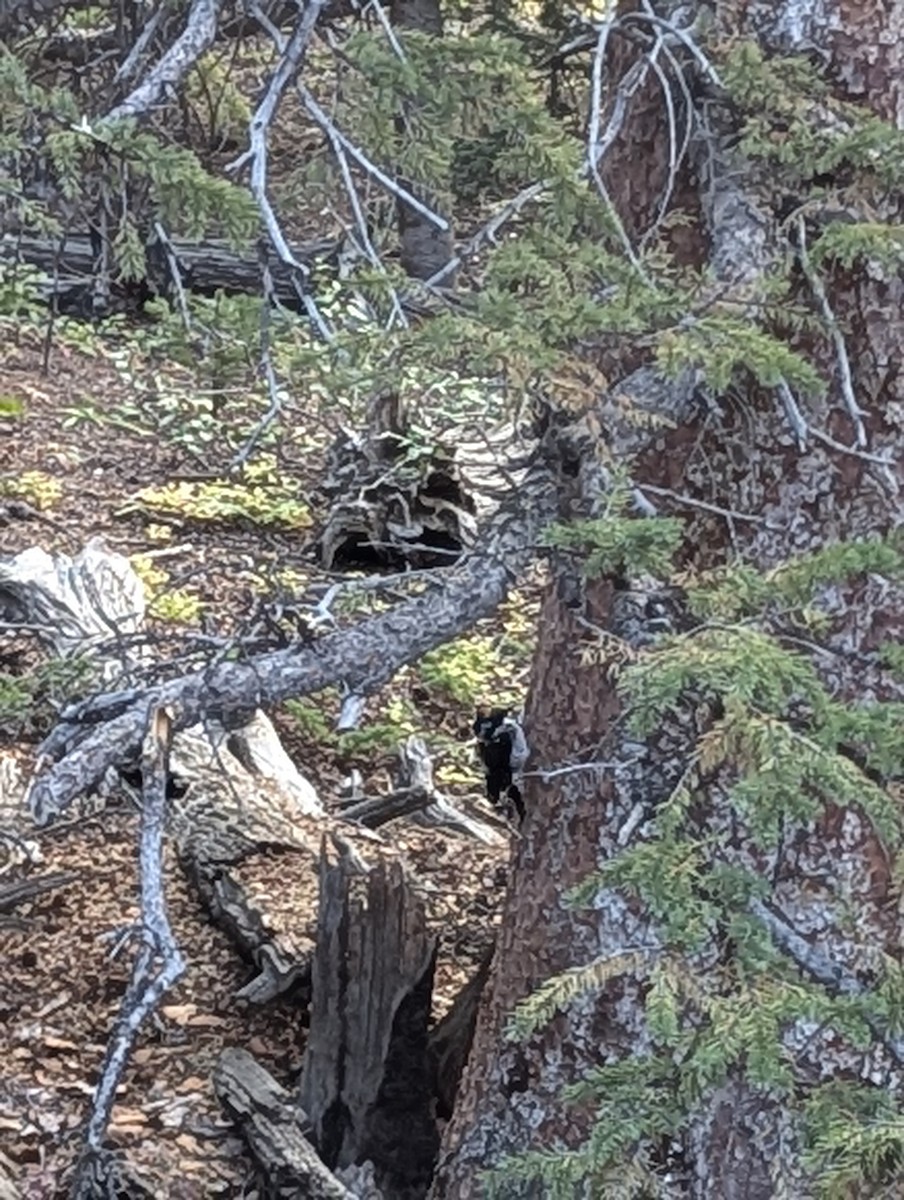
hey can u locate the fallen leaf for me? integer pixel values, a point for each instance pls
(194, 1083)
(180, 1013)
(57, 1043)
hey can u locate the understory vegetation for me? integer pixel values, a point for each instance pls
(555, 291)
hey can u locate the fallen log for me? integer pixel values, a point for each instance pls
(274, 1126)
(72, 270)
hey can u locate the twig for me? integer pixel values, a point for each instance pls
(795, 417)
(597, 144)
(145, 990)
(398, 312)
(598, 147)
(175, 273)
(387, 29)
(676, 157)
(556, 772)
(844, 366)
(880, 460)
(267, 367)
(370, 167)
(129, 65)
(682, 35)
(488, 232)
(256, 154)
(267, 25)
(707, 507)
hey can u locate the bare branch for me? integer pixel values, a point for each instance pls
(145, 989)
(366, 164)
(705, 505)
(794, 416)
(290, 62)
(129, 64)
(844, 367)
(198, 35)
(597, 146)
(397, 50)
(398, 313)
(175, 273)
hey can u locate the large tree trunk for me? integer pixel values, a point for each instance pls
(829, 902)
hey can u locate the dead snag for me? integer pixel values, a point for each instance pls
(365, 1084)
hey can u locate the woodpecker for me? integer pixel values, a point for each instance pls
(504, 751)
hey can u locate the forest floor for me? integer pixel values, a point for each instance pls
(65, 968)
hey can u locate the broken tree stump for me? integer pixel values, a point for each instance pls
(449, 1043)
(365, 1083)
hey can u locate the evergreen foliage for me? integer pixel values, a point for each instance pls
(783, 749)
(540, 313)
(616, 543)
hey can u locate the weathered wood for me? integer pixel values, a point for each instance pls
(224, 821)
(14, 894)
(449, 1042)
(206, 267)
(417, 797)
(365, 1083)
(387, 511)
(374, 811)
(274, 1127)
(416, 770)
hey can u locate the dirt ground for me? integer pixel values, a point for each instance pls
(66, 954)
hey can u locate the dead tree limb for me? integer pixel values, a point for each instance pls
(148, 984)
(222, 824)
(290, 62)
(14, 894)
(364, 657)
(274, 1127)
(198, 35)
(417, 770)
(418, 798)
(374, 811)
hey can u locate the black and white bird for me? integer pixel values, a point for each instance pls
(504, 751)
